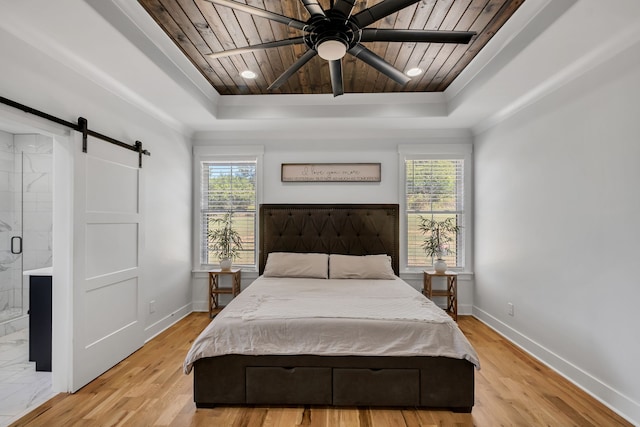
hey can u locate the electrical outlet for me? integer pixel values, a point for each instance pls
(152, 307)
(510, 309)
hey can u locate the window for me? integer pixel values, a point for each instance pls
(435, 189)
(227, 183)
(229, 186)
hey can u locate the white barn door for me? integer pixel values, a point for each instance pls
(107, 306)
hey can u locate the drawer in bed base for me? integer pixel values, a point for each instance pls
(375, 387)
(288, 386)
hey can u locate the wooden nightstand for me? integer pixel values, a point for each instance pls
(215, 290)
(451, 292)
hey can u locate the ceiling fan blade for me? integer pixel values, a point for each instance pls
(292, 70)
(344, 7)
(379, 64)
(335, 68)
(378, 11)
(415, 36)
(313, 7)
(249, 49)
(291, 22)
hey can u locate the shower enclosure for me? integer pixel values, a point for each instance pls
(26, 221)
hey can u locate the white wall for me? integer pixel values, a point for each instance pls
(31, 77)
(383, 149)
(333, 151)
(557, 211)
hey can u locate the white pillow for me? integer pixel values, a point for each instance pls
(289, 264)
(360, 267)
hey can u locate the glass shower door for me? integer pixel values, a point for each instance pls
(26, 221)
(11, 282)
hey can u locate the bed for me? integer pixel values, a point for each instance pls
(302, 336)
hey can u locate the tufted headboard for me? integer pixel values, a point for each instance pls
(349, 229)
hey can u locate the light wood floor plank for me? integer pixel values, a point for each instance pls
(149, 389)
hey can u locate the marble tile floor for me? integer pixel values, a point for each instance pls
(21, 387)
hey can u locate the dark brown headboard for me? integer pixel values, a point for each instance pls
(367, 229)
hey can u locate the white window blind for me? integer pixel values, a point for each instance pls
(229, 186)
(435, 190)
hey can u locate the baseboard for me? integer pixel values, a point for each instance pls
(161, 325)
(200, 306)
(608, 396)
(465, 309)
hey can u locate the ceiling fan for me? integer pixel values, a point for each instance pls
(335, 32)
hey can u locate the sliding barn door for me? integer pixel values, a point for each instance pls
(107, 306)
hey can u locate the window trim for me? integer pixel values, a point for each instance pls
(222, 153)
(428, 152)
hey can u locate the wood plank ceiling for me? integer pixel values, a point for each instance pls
(199, 28)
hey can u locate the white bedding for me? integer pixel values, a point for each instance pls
(331, 317)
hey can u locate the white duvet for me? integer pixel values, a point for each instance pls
(335, 317)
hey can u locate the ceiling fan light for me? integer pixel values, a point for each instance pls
(331, 50)
(412, 72)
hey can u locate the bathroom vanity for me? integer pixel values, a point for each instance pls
(40, 309)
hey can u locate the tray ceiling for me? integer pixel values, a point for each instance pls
(199, 28)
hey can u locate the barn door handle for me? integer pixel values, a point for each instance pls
(15, 239)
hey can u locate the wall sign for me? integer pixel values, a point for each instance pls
(330, 172)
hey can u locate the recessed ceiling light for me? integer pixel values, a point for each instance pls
(248, 74)
(412, 72)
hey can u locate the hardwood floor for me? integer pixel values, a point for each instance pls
(149, 389)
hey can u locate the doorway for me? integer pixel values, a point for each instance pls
(69, 253)
(26, 221)
(26, 243)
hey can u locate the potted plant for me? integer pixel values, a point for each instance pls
(225, 240)
(438, 235)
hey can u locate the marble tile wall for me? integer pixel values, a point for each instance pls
(37, 198)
